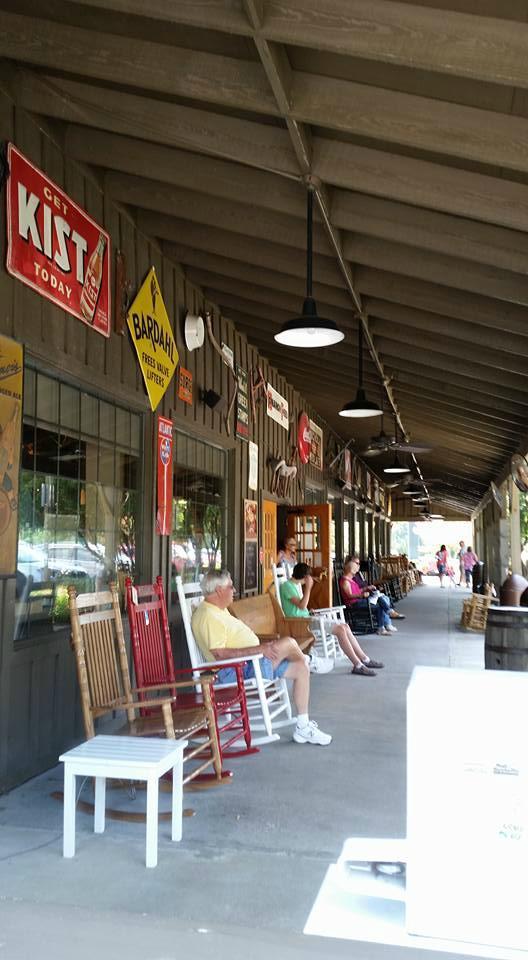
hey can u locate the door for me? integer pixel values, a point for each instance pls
(310, 525)
(269, 541)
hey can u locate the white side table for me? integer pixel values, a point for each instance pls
(124, 758)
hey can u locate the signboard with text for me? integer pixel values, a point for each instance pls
(153, 339)
(277, 407)
(242, 404)
(164, 514)
(54, 247)
(316, 446)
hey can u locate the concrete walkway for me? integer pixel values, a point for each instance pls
(254, 855)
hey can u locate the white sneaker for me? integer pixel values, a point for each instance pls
(311, 734)
(320, 664)
(392, 629)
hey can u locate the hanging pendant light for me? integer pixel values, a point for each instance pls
(360, 406)
(309, 330)
(396, 467)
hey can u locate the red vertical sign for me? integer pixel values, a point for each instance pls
(164, 515)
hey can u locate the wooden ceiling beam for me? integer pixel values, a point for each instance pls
(418, 383)
(429, 230)
(418, 122)
(441, 326)
(438, 299)
(252, 274)
(421, 183)
(277, 299)
(240, 249)
(460, 424)
(214, 211)
(440, 361)
(411, 35)
(415, 371)
(478, 358)
(184, 169)
(258, 145)
(447, 403)
(192, 74)
(437, 268)
(444, 41)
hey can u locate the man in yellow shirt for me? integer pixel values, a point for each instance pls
(221, 636)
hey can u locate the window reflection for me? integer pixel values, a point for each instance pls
(77, 513)
(198, 537)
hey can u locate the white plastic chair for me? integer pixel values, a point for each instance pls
(268, 701)
(321, 620)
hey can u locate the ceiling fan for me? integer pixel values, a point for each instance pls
(383, 443)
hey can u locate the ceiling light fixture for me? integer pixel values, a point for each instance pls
(396, 467)
(360, 406)
(309, 330)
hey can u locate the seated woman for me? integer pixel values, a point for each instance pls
(356, 597)
(295, 596)
(371, 589)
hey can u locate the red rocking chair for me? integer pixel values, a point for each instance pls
(154, 665)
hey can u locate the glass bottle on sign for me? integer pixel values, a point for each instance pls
(92, 280)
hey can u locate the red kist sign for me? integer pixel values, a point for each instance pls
(55, 247)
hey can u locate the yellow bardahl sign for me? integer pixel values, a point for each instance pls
(151, 333)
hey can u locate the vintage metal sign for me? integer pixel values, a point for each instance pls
(11, 379)
(152, 336)
(55, 247)
(277, 407)
(316, 446)
(304, 438)
(242, 404)
(164, 514)
(185, 385)
(252, 466)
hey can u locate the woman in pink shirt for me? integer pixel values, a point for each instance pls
(354, 596)
(469, 560)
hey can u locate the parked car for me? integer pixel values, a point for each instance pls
(74, 559)
(32, 561)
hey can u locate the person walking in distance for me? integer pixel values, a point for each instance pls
(460, 556)
(470, 559)
(441, 563)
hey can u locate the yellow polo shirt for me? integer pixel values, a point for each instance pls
(216, 629)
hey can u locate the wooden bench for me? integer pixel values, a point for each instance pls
(264, 616)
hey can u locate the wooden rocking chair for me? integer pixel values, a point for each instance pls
(104, 682)
(268, 701)
(154, 665)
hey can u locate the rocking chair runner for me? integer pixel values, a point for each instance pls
(154, 664)
(104, 681)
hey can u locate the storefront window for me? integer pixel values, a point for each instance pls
(78, 508)
(199, 508)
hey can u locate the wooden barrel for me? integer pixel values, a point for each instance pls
(506, 645)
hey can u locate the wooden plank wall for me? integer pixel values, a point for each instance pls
(38, 699)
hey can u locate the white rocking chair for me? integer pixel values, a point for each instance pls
(268, 701)
(321, 621)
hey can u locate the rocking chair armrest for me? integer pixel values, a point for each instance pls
(321, 611)
(234, 660)
(268, 637)
(175, 685)
(122, 703)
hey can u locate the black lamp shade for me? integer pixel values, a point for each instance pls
(309, 330)
(360, 407)
(396, 467)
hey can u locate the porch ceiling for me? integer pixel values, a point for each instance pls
(203, 118)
